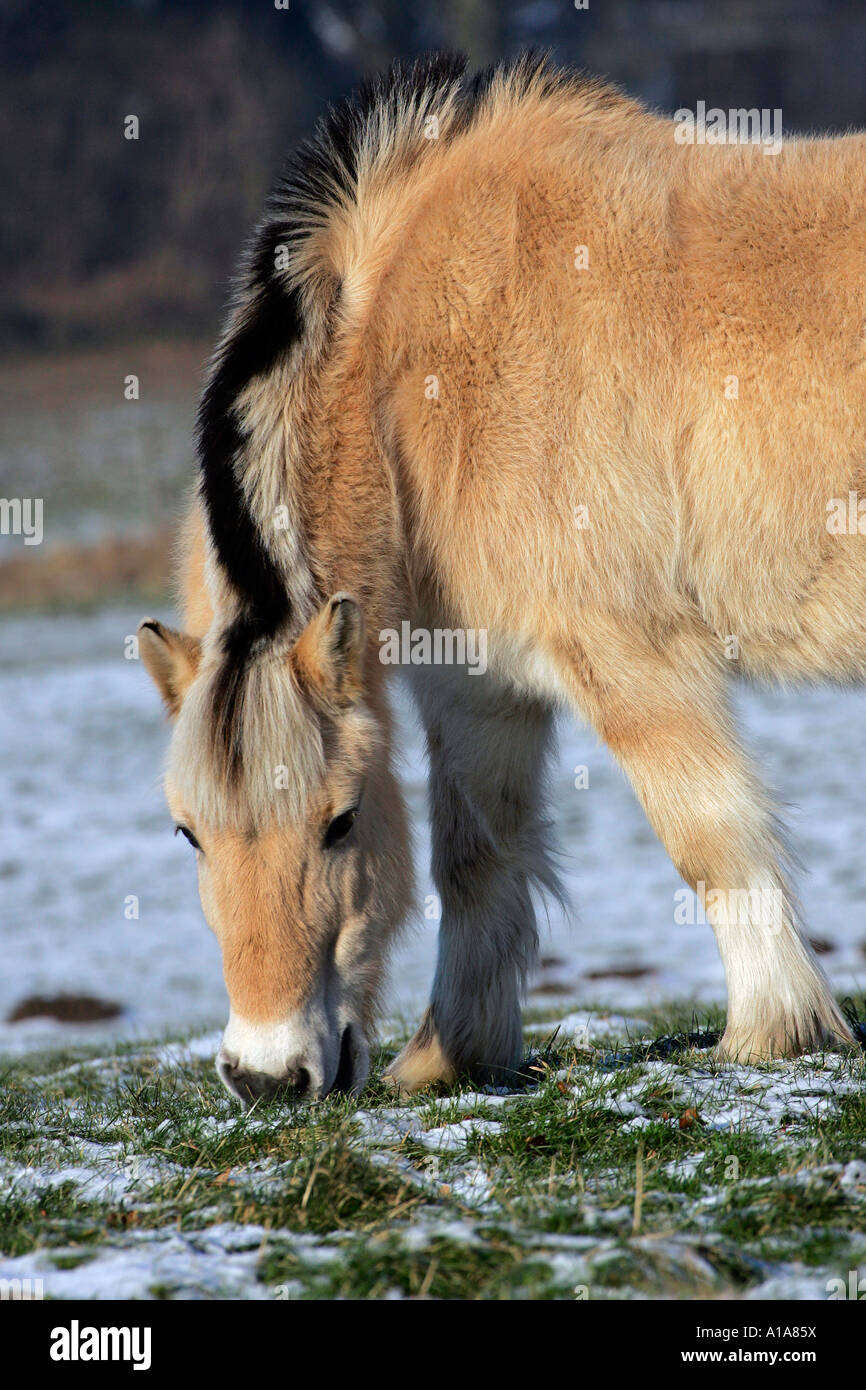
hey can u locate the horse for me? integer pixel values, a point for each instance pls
(508, 355)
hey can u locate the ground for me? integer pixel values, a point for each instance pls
(628, 1171)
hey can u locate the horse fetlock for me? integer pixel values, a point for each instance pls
(421, 1063)
(777, 1030)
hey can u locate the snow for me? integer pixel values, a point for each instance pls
(794, 1284)
(388, 1127)
(854, 1175)
(453, 1138)
(430, 1144)
(742, 1098)
(585, 1024)
(218, 1262)
(104, 1180)
(468, 1100)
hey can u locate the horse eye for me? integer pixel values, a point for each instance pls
(340, 827)
(188, 835)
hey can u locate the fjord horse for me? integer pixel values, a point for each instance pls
(506, 356)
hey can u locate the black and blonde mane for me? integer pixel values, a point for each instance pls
(282, 305)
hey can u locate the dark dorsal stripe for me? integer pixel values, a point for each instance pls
(271, 324)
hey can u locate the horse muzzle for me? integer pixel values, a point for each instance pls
(261, 1062)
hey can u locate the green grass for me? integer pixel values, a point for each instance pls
(628, 1170)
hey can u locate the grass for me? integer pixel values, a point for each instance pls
(635, 1167)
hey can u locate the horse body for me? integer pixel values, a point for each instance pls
(510, 358)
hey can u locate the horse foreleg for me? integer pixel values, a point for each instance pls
(661, 707)
(487, 748)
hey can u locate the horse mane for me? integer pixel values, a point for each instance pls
(286, 297)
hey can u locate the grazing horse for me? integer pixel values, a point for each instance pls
(507, 355)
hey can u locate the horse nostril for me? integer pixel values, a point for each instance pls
(226, 1067)
(253, 1085)
(250, 1086)
(345, 1065)
(297, 1082)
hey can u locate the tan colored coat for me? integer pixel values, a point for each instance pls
(592, 391)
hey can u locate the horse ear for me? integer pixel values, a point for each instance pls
(171, 658)
(329, 654)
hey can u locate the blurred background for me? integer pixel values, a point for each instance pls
(115, 259)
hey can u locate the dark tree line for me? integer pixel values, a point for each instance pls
(104, 237)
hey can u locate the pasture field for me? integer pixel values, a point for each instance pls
(634, 1168)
